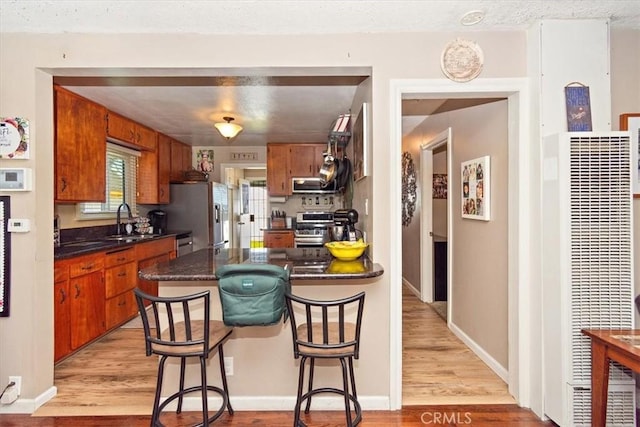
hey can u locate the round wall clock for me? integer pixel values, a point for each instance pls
(462, 60)
(408, 188)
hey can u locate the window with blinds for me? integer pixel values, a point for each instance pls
(121, 185)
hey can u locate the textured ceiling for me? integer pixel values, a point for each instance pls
(272, 109)
(298, 17)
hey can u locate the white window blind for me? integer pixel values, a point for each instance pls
(121, 170)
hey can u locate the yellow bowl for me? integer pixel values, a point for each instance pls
(346, 251)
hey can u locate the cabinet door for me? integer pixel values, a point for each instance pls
(147, 178)
(177, 167)
(146, 138)
(62, 319)
(302, 160)
(186, 158)
(120, 308)
(87, 308)
(278, 170)
(120, 278)
(121, 128)
(164, 168)
(80, 148)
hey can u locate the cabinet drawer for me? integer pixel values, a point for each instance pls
(120, 278)
(86, 264)
(120, 308)
(120, 257)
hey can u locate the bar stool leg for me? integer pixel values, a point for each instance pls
(155, 414)
(312, 365)
(353, 379)
(345, 385)
(181, 389)
(224, 379)
(296, 411)
(203, 378)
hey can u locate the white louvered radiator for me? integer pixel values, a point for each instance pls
(587, 264)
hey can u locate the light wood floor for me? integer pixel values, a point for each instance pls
(114, 377)
(437, 368)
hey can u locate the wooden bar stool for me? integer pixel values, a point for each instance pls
(326, 330)
(184, 337)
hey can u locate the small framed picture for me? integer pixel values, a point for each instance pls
(14, 138)
(476, 189)
(439, 186)
(631, 122)
(360, 140)
(205, 160)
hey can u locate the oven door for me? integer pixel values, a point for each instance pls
(308, 241)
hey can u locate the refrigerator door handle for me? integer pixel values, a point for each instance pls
(217, 213)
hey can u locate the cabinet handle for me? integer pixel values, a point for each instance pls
(77, 290)
(122, 274)
(133, 135)
(138, 137)
(87, 267)
(64, 185)
(121, 259)
(63, 296)
(122, 303)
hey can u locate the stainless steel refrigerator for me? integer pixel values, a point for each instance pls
(203, 208)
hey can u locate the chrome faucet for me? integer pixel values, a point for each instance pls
(118, 222)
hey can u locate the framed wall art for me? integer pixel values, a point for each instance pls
(14, 138)
(205, 160)
(439, 186)
(631, 122)
(476, 189)
(578, 104)
(360, 140)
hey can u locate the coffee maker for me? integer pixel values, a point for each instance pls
(345, 221)
(158, 220)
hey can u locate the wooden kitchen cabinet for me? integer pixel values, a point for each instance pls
(278, 181)
(86, 288)
(61, 311)
(79, 148)
(120, 277)
(180, 160)
(278, 239)
(305, 160)
(154, 168)
(131, 133)
(286, 161)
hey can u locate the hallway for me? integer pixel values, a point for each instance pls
(437, 368)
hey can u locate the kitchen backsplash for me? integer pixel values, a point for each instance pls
(308, 202)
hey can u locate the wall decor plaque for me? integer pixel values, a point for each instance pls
(462, 60)
(14, 138)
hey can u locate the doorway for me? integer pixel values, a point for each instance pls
(519, 375)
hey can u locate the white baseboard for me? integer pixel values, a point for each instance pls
(496, 367)
(29, 406)
(412, 288)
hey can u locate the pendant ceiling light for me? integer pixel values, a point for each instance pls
(227, 129)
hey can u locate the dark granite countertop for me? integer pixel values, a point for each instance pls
(305, 264)
(99, 244)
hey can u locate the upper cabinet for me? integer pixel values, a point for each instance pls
(278, 182)
(79, 148)
(286, 161)
(180, 160)
(130, 133)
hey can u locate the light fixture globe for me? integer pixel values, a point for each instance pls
(227, 129)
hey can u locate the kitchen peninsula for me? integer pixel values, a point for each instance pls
(304, 264)
(265, 373)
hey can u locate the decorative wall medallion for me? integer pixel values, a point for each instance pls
(462, 60)
(408, 188)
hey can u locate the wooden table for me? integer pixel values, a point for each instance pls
(622, 346)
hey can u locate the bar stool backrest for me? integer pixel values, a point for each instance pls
(335, 326)
(182, 335)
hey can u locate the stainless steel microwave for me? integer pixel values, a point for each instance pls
(312, 186)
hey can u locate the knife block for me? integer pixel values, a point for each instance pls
(278, 223)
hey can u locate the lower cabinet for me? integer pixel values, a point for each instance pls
(94, 293)
(278, 239)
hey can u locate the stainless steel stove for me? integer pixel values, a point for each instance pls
(312, 229)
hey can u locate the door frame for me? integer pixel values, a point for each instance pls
(524, 368)
(427, 291)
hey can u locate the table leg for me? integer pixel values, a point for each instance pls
(599, 384)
